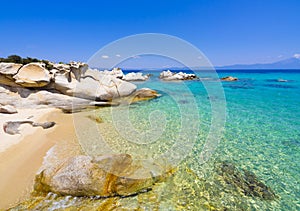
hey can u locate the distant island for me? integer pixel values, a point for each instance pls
(291, 63)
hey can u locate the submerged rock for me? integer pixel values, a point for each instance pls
(245, 181)
(95, 118)
(229, 78)
(108, 175)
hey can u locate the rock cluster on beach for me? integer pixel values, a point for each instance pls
(171, 76)
(67, 86)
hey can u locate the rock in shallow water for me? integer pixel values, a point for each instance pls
(135, 77)
(229, 78)
(108, 175)
(171, 76)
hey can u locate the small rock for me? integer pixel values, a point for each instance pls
(229, 78)
(12, 127)
(95, 118)
(141, 95)
(282, 80)
(8, 109)
(44, 125)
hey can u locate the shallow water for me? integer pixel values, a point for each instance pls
(261, 135)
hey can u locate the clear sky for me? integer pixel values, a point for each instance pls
(227, 31)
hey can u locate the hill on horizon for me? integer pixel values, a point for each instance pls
(290, 63)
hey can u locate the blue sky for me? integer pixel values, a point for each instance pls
(226, 31)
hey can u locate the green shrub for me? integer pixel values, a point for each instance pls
(19, 60)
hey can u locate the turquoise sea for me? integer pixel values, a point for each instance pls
(254, 166)
(261, 135)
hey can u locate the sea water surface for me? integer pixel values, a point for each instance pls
(261, 136)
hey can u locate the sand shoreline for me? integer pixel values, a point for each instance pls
(23, 157)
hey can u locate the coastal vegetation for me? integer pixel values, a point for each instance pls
(20, 60)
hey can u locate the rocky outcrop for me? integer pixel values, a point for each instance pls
(70, 86)
(107, 175)
(33, 75)
(170, 76)
(229, 78)
(8, 109)
(28, 98)
(135, 77)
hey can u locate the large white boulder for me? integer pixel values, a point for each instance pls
(94, 85)
(106, 175)
(33, 75)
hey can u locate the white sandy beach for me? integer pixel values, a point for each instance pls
(22, 155)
